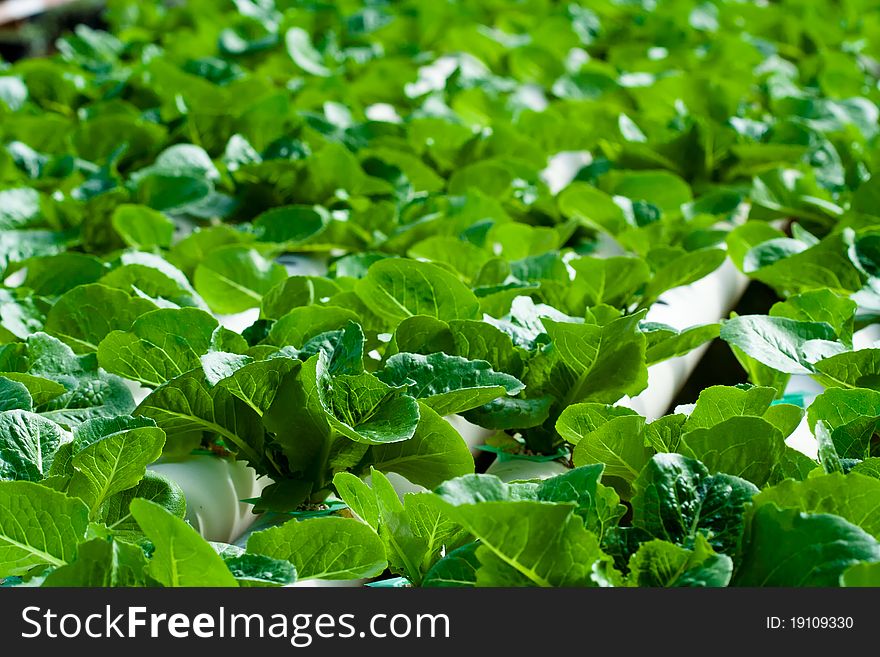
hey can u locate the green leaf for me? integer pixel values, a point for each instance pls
(38, 526)
(302, 324)
(854, 369)
(747, 447)
(158, 345)
(619, 444)
(102, 563)
(365, 409)
(662, 564)
(669, 343)
(255, 383)
(85, 315)
(291, 225)
(526, 543)
(613, 280)
(784, 344)
(141, 227)
(719, 403)
(234, 278)
(456, 569)
(256, 569)
(188, 404)
(790, 548)
(434, 454)
(851, 415)
(448, 384)
(676, 499)
(849, 496)
(323, 548)
(112, 456)
(820, 306)
(303, 53)
(592, 207)
(28, 444)
(587, 362)
(115, 512)
(396, 289)
(862, 574)
(14, 396)
(683, 270)
(415, 533)
(181, 556)
(828, 456)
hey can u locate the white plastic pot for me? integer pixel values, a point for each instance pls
(214, 488)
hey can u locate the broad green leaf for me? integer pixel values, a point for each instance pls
(301, 324)
(850, 496)
(591, 206)
(747, 447)
(456, 569)
(102, 563)
(256, 569)
(255, 383)
(113, 461)
(851, 415)
(188, 404)
(613, 280)
(526, 543)
(669, 343)
(141, 227)
(14, 396)
(790, 548)
(448, 384)
(820, 306)
(85, 315)
(28, 444)
(719, 403)
(853, 369)
(396, 289)
(365, 409)
(620, 445)
(587, 362)
(79, 269)
(579, 420)
(415, 532)
(232, 279)
(676, 499)
(181, 557)
(115, 512)
(38, 526)
(323, 548)
(781, 343)
(862, 574)
(295, 292)
(662, 564)
(434, 454)
(158, 345)
(150, 276)
(291, 225)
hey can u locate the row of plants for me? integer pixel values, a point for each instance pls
(161, 176)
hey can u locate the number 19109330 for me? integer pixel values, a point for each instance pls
(810, 623)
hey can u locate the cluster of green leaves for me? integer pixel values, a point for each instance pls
(157, 176)
(709, 498)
